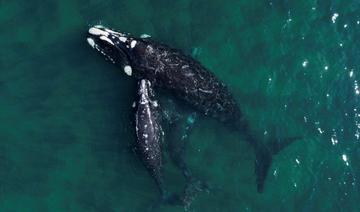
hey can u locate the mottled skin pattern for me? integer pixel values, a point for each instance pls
(186, 78)
(170, 69)
(149, 132)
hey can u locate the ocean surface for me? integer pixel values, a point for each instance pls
(66, 122)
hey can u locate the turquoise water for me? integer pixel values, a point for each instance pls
(65, 112)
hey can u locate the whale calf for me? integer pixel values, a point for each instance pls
(170, 69)
(149, 132)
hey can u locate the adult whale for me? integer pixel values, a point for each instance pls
(170, 69)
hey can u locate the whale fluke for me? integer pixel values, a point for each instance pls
(264, 154)
(276, 145)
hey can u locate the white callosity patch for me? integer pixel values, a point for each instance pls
(97, 31)
(95, 46)
(144, 93)
(91, 42)
(133, 43)
(128, 70)
(123, 39)
(114, 32)
(143, 86)
(107, 40)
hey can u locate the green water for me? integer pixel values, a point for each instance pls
(65, 113)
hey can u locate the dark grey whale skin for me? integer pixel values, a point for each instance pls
(150, 136)
(172, 70)
(187, 79)
(149, 132)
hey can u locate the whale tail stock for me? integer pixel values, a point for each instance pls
(264, 151)
(264, 154)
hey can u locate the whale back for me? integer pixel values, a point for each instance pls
(190, 81)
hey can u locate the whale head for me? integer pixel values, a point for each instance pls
(117, 47)
(146, 93)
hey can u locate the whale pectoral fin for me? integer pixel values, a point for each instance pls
(179, 138)
(264, 154)
(176, 145)
(179, 126)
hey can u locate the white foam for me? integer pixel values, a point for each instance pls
(99, 26)
(334, 17)
(334, 140)
(145, 36)
(345, 159)
(128, 70)
(305, 63)
(91, 42)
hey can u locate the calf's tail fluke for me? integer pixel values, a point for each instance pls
(264, 154)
